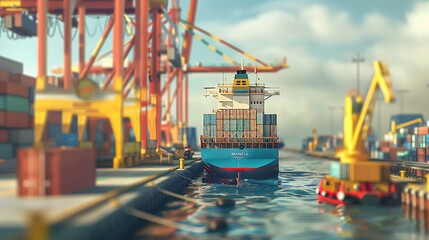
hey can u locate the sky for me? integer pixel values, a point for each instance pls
(319, 39)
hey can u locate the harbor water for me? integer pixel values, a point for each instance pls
(287, 209)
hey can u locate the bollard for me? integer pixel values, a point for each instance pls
(427, 182)
(169, 158)
(402, 172)
(38, 228)
(181, 163)
(160, 158)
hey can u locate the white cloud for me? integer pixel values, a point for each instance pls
(319, 78)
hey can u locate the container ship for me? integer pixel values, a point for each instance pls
(239, 140)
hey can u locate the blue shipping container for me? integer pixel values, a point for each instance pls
(335, 169)
(54, 130)
(259, 118)
(226, 124)
(31, 93)
(6, 151)
(68, 139)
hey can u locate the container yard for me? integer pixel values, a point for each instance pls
(134, 119)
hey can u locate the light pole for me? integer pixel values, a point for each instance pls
(358, 59)
(401, 93)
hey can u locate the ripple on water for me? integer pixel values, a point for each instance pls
(289, 210)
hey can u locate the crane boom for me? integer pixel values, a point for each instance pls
(356, 119)
(394, 127)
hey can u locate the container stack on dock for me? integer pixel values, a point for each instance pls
(394, 147)
(16, 112)
(239, 123)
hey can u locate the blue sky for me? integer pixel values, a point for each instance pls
(319, 39)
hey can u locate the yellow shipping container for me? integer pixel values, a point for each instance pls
(370, 171)
(129, 147)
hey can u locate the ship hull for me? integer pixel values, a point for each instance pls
(247, 163)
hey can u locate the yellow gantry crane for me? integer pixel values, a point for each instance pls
(355, 178)
(394, 127)
(358, 114)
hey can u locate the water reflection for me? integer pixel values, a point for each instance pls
(286, 210)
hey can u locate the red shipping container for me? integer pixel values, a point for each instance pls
(9, 88)
(384, 144)
(421, 152)
(385, 149)
(4, 136)
(2, 119)
(17, 120)
(423, 130)
(54, 117)
(28, 81)
(55, 171)
(31, 121)
(421, 158)
(4, 76)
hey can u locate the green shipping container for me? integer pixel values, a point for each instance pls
(17, 104)
(2, 103)
(6, 150)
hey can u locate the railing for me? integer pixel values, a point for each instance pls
(229, 89)
(239, 142)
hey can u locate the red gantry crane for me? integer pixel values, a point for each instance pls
(131, 89)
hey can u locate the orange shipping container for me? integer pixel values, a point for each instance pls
(10, 88)
(253, 124)
(4, 136)
(219, 114)
(423, 130)
(239, 113)
(246, 114)
(232, 114)
(260, 130)
(66, 169)
(219, 125)
(226, 114)
(370, 171)
(253, 113)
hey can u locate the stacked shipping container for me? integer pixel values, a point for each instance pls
(239, 123)
(16, 98)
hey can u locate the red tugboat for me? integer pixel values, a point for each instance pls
(356, 179)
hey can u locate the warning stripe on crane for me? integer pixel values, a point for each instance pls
(211, 47)
(219, 40)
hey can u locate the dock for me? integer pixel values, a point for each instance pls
(89, 214)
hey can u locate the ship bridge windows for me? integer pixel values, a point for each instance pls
(241, 82)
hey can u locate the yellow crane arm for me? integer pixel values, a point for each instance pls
(315, 138)
(380, 81)
(394, 127)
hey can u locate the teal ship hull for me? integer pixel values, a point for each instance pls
(246, 163)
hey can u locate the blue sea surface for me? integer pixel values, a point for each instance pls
(286, 209)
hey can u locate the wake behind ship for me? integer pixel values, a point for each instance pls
(239, 140)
